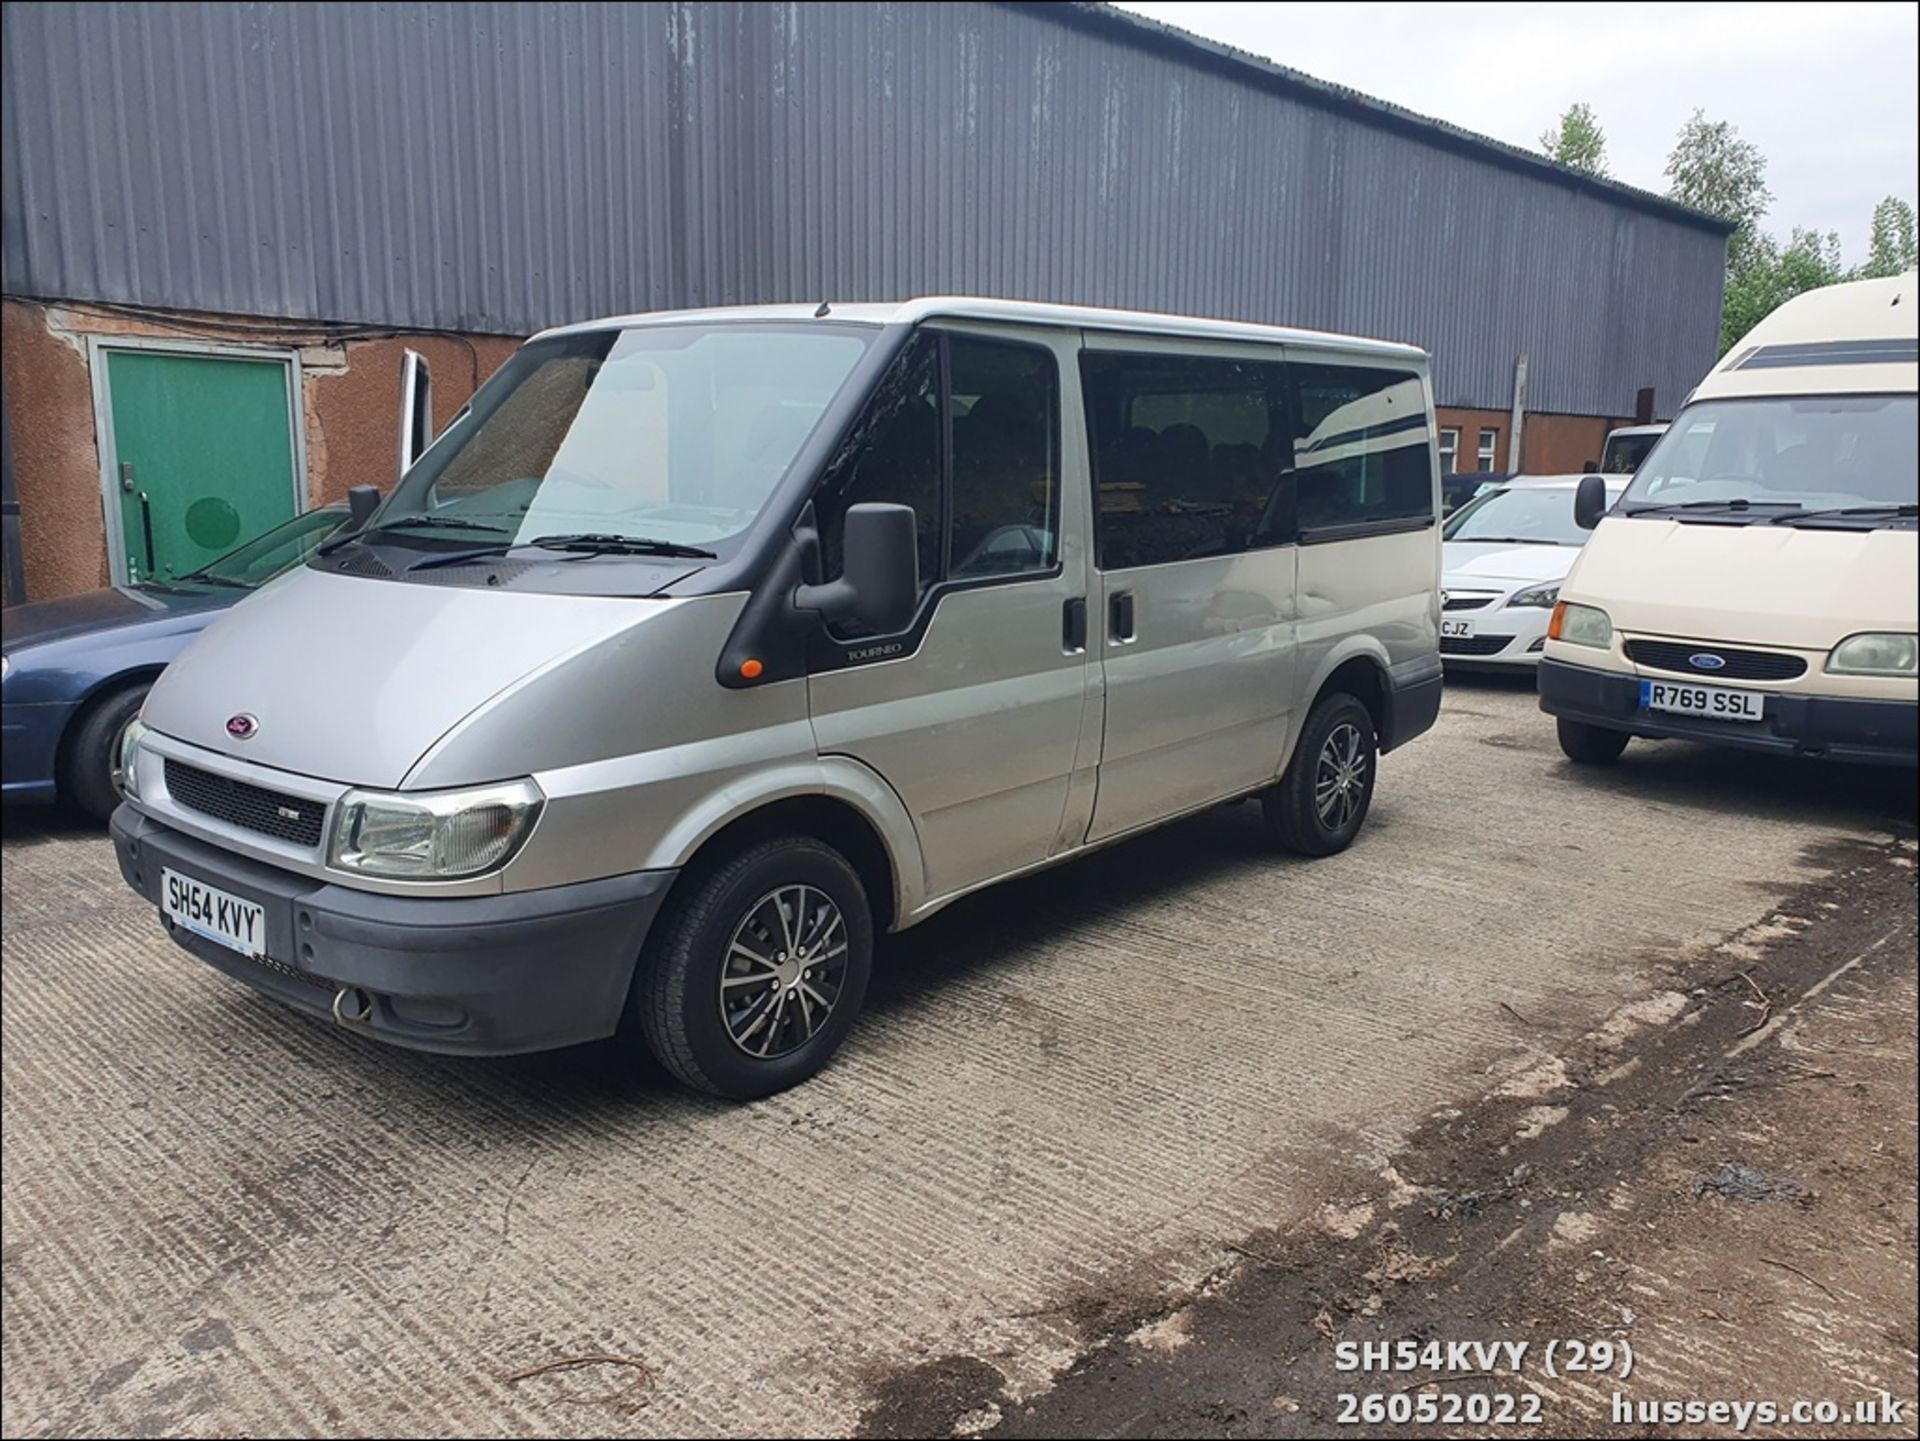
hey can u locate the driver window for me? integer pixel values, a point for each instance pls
(892, 455)
(1004, 406)
(1000, 424)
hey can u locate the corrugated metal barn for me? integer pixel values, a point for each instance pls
(348, 171)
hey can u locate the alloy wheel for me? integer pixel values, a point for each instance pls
(785, 965)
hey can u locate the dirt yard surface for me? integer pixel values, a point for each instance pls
(1129, 1146)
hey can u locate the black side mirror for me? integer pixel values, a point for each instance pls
(1590, 467)
(1590, 501)
(879, 584)
(362, 502)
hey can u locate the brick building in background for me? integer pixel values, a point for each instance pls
(222, 224)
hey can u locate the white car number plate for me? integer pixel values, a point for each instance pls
(1713, 702)
(1456, 627)
(241, 925)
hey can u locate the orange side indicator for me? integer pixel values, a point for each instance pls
(1559, 618)
(751, 669)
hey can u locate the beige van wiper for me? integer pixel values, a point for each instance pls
(1849, 512)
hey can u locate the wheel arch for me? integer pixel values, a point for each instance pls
(835, 800)
(97, 695)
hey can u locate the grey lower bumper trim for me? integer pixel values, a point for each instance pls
(486, 975)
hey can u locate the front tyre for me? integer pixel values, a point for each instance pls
(91, 775)
(1591, 745)
(1323, 799)
(758, 969)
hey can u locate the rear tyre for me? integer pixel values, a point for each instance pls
(1591, 745)
(756, 972)
(1323, 799)
(90, 775)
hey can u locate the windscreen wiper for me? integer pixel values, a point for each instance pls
(1505, 540)
(589, 543)
(1830, 512)
(201, 578)
(1739, 504)
(335, 542)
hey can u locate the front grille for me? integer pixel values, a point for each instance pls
(1468, 601)
(1473, 644)
(1677, 656)
(253, 808)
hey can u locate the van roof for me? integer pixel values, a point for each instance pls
(1862, 337)
(1019, 312)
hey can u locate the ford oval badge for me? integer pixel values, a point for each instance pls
(1705, 660)
(243, 727)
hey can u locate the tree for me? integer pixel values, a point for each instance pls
(1712, 169)
(1771, 275)
(1577, 141)
(1892, 250)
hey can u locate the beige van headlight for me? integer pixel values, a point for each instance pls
(1876, 653)
(435, 835)
(1580, 625)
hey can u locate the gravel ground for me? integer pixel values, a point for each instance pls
(1070, 1099)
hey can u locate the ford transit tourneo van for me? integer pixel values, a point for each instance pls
(702, 647)
(1758, 584)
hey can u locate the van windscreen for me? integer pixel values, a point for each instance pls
(1774, 458)
(671, 433)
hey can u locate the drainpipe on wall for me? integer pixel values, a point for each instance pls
(1519, 415)
(16, 573)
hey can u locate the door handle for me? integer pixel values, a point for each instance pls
(1073, 626)
(146, 524)
(126, 476)
(1120, 617)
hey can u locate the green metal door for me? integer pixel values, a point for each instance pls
(203, 456)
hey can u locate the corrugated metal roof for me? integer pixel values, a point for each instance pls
(503, 168)
(1257, 69)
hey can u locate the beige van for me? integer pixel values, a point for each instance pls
(1756, 584)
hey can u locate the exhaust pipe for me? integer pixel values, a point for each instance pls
(352, 1006)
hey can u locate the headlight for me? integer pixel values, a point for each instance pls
(1876, 653)
(434, 836)
(1580, 625)
(126, 765)
(1540, 596)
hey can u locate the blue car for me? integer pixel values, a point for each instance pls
(74, 672)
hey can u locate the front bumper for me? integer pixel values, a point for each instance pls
(479, 975)
(1879, 732)
(1502, 636)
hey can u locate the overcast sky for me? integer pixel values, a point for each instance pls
(1830, 93)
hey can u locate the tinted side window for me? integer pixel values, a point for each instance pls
(1190, 456)
(893, 454)
(1363, 452)
(1004, 407)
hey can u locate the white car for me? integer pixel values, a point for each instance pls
(1505, 553)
